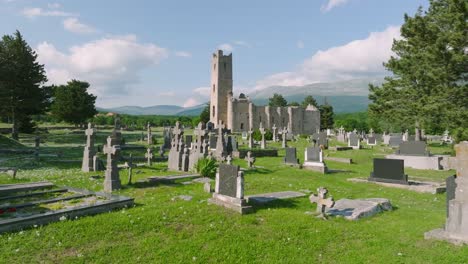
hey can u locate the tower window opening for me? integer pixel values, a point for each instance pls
(214, 66)
(214, 88)
(213, 110)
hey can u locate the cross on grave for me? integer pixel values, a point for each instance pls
(322, 201)
(149, 156)
(285, 135)
(177, 131)
(263, 132)
(205, 145)
(90, 136)
(149, 136)
(229, 159)
(112, 180)
(274, 128)
(250, 159)
(371, 132)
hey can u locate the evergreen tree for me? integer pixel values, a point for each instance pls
(21, 77)
(277, 101)
(72, 103)
(205, 114)
(309, 100)
(294, 104)
(326, 116)
(429, 82)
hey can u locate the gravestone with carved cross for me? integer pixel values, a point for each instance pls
(250, 159)
(112, 180)
(149, 156)
(322, 201)
(229, 159)
(263, 132)
(88, 153)
(130, 165)
(177, 132)
(284, 143)
(275, 135)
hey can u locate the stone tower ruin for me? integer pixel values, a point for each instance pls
(221, 86)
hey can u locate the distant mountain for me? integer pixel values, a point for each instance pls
(345, 97)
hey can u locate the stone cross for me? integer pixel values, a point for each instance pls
(205, 145)
(112, 179)
(149, 156)
(250, 159)
(250, 139)
(274, 128)
(90, 136)
(149, 136)
(371, 132)
(322, 201)
(229, 159)
(341, 130)
(177, 131)
(406, 135)
(263, 132)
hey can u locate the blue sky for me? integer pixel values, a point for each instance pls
(158, 52)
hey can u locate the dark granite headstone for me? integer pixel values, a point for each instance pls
(371, 141)
(291, 157)
(313, 154)
(389, 170)
(451, 185)
(322, 139)
(234, 143)
(229, 146)
(228, 179)
(395, 141)
(188, 140)
(354, 140)
(413, 148)
(213, 141)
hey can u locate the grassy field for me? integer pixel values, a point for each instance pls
(160, 229)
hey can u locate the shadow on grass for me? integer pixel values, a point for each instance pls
(332, 171)
(257, 170)
(278, 203)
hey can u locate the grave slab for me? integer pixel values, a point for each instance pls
(417, 186)
(359, 208)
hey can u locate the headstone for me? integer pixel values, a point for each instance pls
(244, 135)
(112, 179)
(371, 141)
(284, 143)
(389, 170)
(129, 165)
(229, 189)
(161, 151)
(275, 135)
(185, 160)
(188, 140)
(88, 152)
(234, 143)
(98, 165)
(149, 156)
(354, 141)
(395, 141)
(291, 156)
(313, 159)
(322, 140)
(213, 140)
(406, 135)
(250, 159)
(451, 186)
(229, 159)
(412, 148)
(250, 139)
(220, 151)
(322, 201)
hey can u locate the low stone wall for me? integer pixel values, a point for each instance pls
(419, 162)
(256, 153)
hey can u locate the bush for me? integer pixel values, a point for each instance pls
(460, 134)
(206, 167)
(257, 136)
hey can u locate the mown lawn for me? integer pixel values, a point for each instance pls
(160, 229)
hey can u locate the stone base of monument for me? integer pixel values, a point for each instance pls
(417, 186)
(32, 204)
(359, 208)
(442, 234)
(419, 162)
(315, 166)
(341, 160)
(235, 204)
(270, 197)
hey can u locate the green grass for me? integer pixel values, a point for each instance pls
(162, 230)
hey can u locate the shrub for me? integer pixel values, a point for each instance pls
(206, 167)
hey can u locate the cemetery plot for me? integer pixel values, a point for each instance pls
(25, 205)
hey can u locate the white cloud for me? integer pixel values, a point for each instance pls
(32, 12)
(191, 102)
(54, 5)
(300, 44)
(242, 43)
(203, 91)
(332, 4)
(73, 25)
(358, 58)
(226, 47)
(111, 65)
(184, 54)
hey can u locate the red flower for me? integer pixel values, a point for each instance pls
(1, 211)
(12, 210)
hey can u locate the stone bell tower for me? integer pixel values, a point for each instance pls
(221, 86)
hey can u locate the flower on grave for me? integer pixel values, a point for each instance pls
(11, 210)
(1, 211)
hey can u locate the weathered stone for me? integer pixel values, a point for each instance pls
(389, 170)
(412, 148)
(269, 197)
(112, 179)
(359, 208)
(291, 156)
(322, 201)
(88, 154)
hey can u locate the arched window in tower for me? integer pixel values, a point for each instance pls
(214, 110)
(242, 126)
(214, 66)
(214, 88)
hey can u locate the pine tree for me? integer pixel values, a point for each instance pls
(277, 101)
(429, 81)
(21, 77)
(309, 100)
